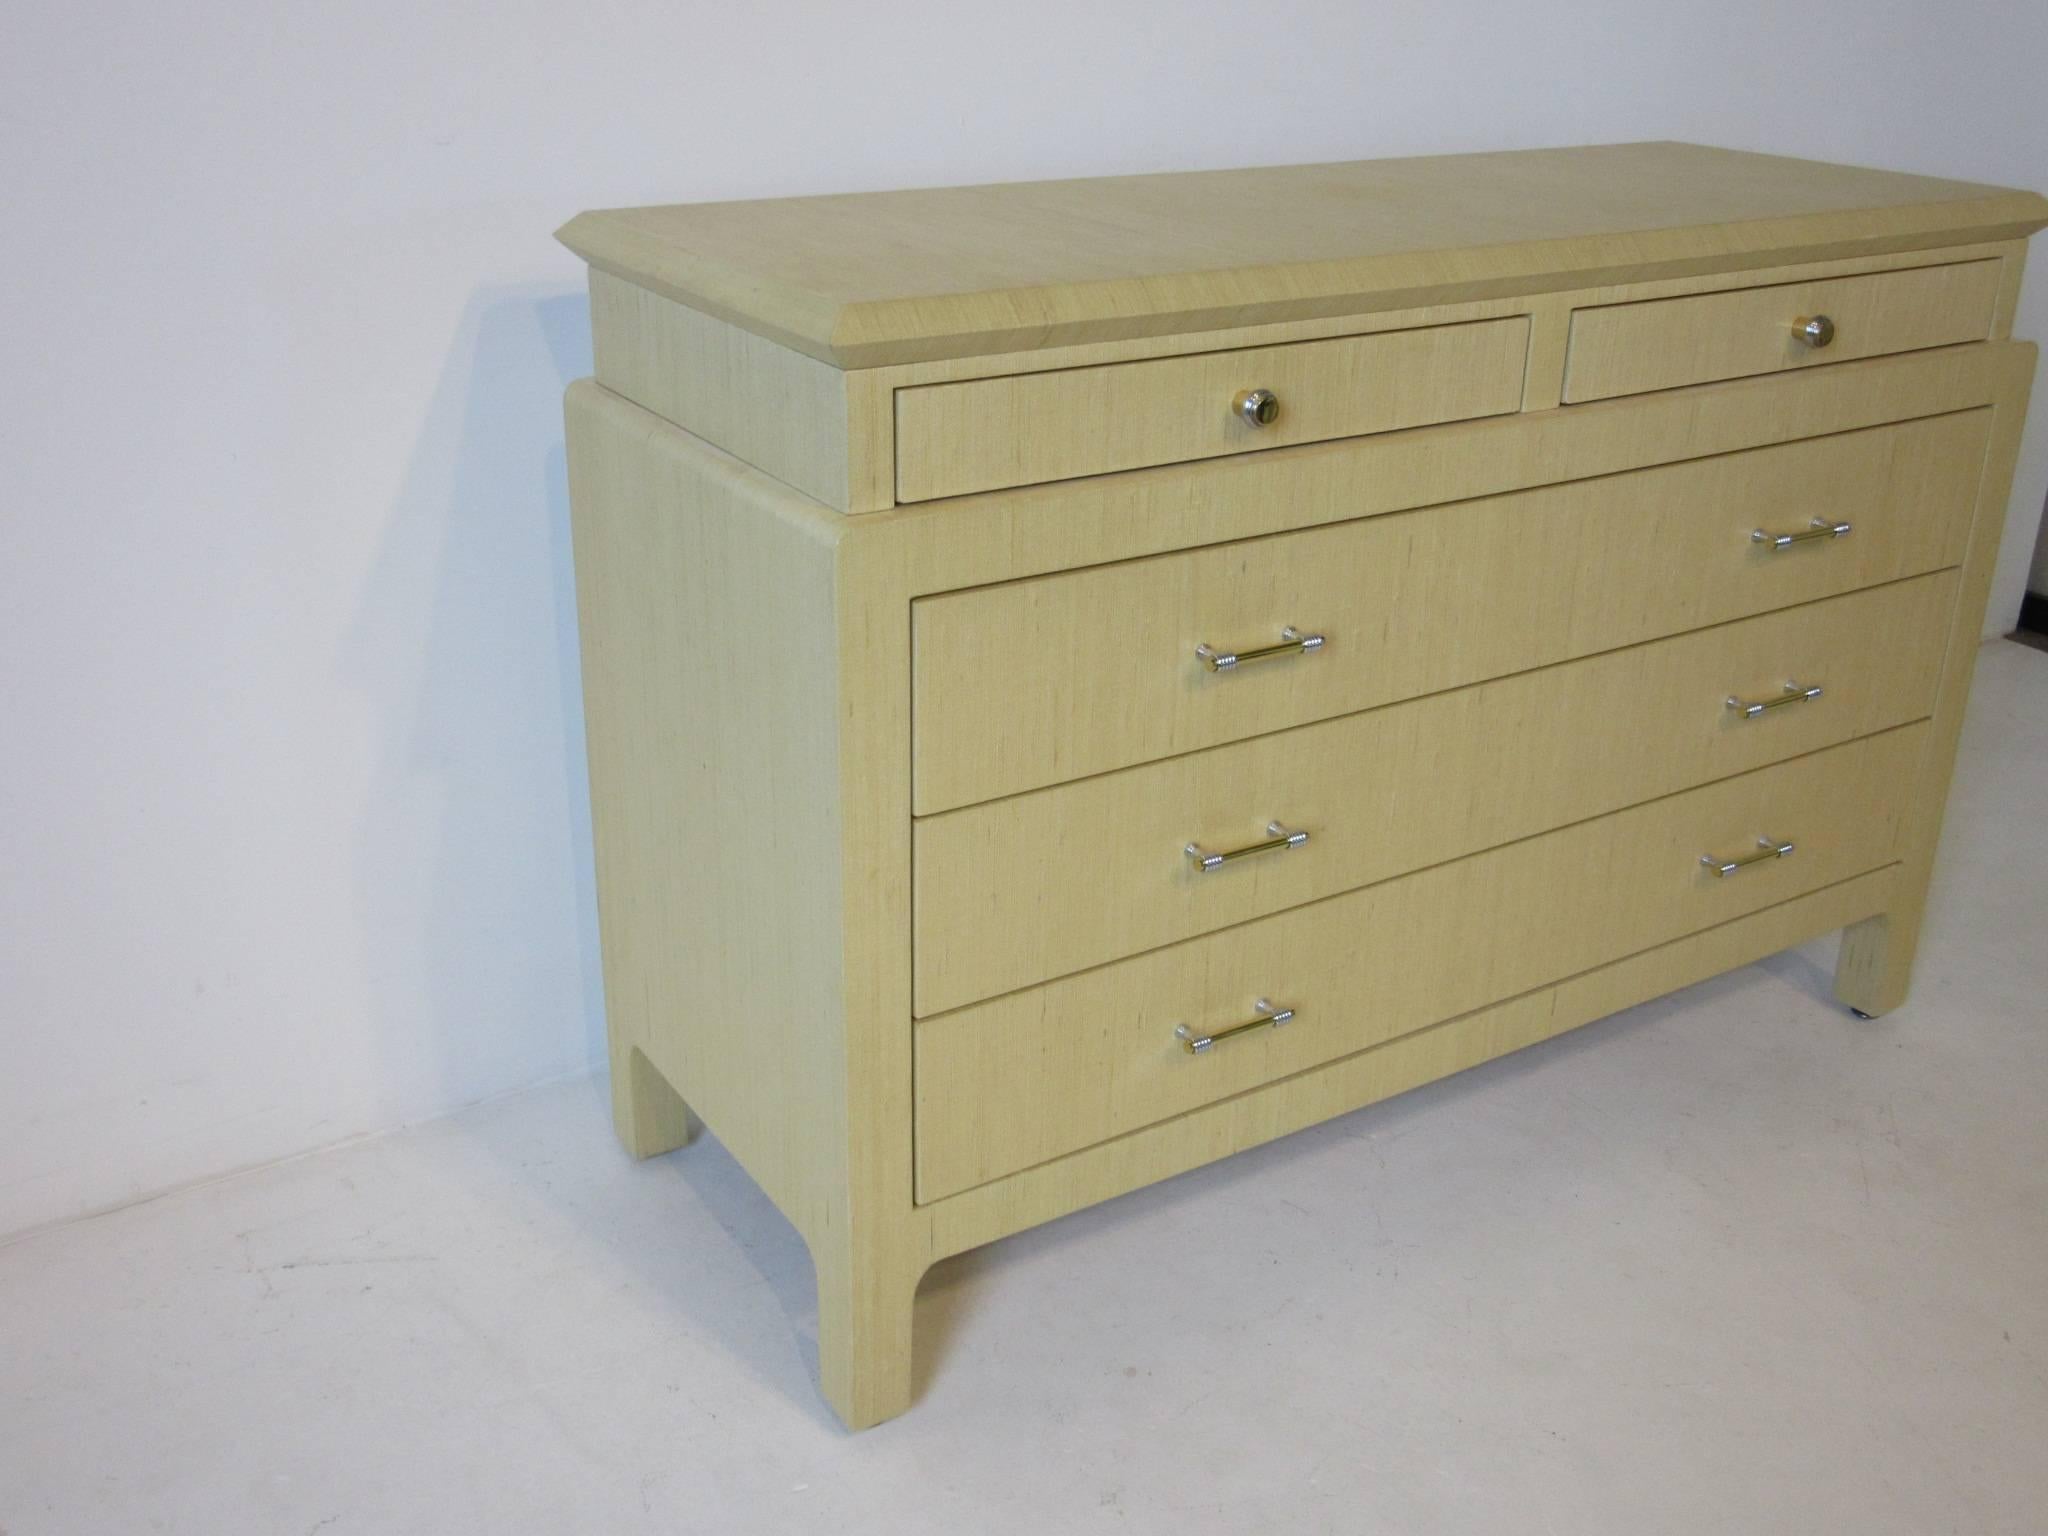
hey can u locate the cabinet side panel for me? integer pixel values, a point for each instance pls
(705, 597)
(1876, 960)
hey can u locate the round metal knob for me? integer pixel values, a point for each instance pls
(1814, 330)
(1260, 407)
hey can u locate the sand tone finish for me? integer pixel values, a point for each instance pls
(889, 277)
(1085, 678)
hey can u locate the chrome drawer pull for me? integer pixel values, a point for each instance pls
(1819, 528)
(1267, 1014)
(1815, 330)
(1794, 693)
(1292, 643)
(1258, 407)
(1278, 839)
(1767, 848)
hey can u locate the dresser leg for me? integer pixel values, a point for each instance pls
(864, 1329)
(650, 1116)
(1876, 964)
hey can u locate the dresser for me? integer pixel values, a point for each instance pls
(1083, 678)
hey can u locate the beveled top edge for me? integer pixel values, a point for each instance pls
(869, 279)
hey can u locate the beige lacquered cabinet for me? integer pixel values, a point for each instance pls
(1084, 678)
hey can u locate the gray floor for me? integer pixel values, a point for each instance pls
(1730, 1262)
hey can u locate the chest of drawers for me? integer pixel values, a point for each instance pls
(1083, 678)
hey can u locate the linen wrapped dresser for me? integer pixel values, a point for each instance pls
(1086, 677)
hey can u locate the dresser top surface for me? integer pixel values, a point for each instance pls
(867, 279)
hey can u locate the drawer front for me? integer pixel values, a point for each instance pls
(1041, 681)
(1025, 1078)
(1020, 890)
(983, 434)
(1626, 349)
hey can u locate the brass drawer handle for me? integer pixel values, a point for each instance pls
(1267, 1014)
(1815, 330)
(1258, 407)
(1767, 848)
(1278, 839)
(1819, 528)
(1292, 643)
(1795, 693)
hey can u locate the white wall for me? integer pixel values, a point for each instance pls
(292, 807)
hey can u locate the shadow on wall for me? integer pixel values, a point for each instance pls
(474, 886)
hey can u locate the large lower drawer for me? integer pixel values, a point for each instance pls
(1626, 349)
(1024, 1078)
(1016, 891)
(983, 434)
(1039, 681)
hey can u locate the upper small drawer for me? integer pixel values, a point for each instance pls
(1626, 349)
(984, 434)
